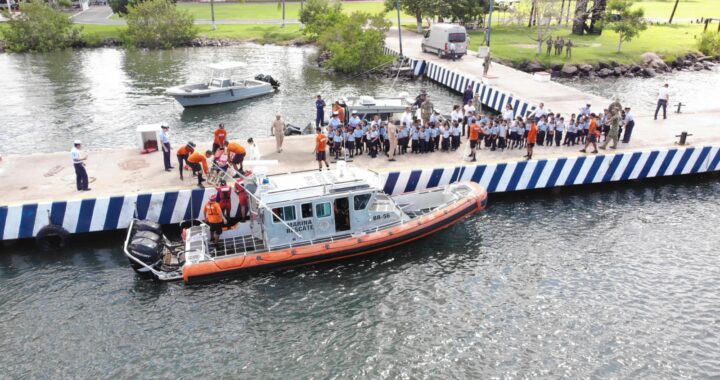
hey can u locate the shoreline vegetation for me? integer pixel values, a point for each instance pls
(660, 48)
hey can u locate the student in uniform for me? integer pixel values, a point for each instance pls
(198, 163)
(542, 130)
(220, 137)
(424, 138)
(434, 136)
(550, 134)
(337, 140)
(358, 137)
(415, 133)
(182, 155)
(494, 130)
(320, 149)
(502, 135)
(373, 141)
(455, 133)
(456, 116)
(349, 139)
(559, 129)
(445, 132)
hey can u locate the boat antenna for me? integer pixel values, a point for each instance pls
(260, 203)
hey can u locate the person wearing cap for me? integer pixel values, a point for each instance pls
(78, 159)
(278, 130)
(220, 137)
(182, 156)
(165, 140)
(319, 111)
(354, 120)
(198, 163)
(629, 122)
(214, 217)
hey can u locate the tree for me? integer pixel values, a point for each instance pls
(41, 28)
(356, 42)
(121, 6)
(157, 24)
(541, 14)
(318, 15)
(582, 15)
(626, 22)
(417, 8)
(463, 11)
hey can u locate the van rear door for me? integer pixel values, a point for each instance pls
(459, 38)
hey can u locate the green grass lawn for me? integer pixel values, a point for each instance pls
(259, 33)
(686, 8)
(268, 11)
(515, 44)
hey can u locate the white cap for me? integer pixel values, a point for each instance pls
(77, 142)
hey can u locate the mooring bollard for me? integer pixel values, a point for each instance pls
(683, 138)
(679, 105)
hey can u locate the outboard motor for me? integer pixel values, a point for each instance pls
(268, 79)
(291, 130)
(146, 245)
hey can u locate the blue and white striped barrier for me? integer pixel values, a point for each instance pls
(111, 213)
(489, 96)
(581, 170)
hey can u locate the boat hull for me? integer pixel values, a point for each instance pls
(218, 96)
(350, 247)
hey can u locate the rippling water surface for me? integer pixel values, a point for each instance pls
(612, 282)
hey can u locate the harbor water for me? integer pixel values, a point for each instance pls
(609, 282)
(619, 281)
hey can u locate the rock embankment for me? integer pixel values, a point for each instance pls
(652, 65)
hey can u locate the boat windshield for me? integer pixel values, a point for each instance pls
(382, 203)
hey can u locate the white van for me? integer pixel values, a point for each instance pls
(440, 36)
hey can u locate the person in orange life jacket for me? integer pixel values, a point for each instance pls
(165, 141)
(243, 200)
(238, 155)
(214, 218)
(223, 198)
(182, 155)
(198, 163)
(220, 138)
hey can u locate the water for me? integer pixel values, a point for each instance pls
(612, 282)
(602, 282)
(101, 95)
(697, 90)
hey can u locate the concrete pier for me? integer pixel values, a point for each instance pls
(39, 189)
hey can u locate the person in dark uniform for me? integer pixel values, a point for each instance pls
(81, 177)
(319, 111)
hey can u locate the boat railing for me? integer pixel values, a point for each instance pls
(164, 276)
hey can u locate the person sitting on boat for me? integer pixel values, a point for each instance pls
(238, 155)
(243, 200)
(223, 198)
(221, 162)
(198, 163)
(214, 218)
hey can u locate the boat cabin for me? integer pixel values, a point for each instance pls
(314, 206)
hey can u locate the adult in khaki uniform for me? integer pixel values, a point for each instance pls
(278, 129)
(393, 137)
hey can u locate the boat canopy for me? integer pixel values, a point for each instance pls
(226, 65)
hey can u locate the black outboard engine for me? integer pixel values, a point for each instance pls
(268, 79)
(146, 245)
(291, 130)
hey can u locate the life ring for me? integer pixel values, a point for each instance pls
(52, 237)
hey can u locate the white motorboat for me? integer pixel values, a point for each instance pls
(223, 87)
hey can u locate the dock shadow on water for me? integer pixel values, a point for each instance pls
(574, 283)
